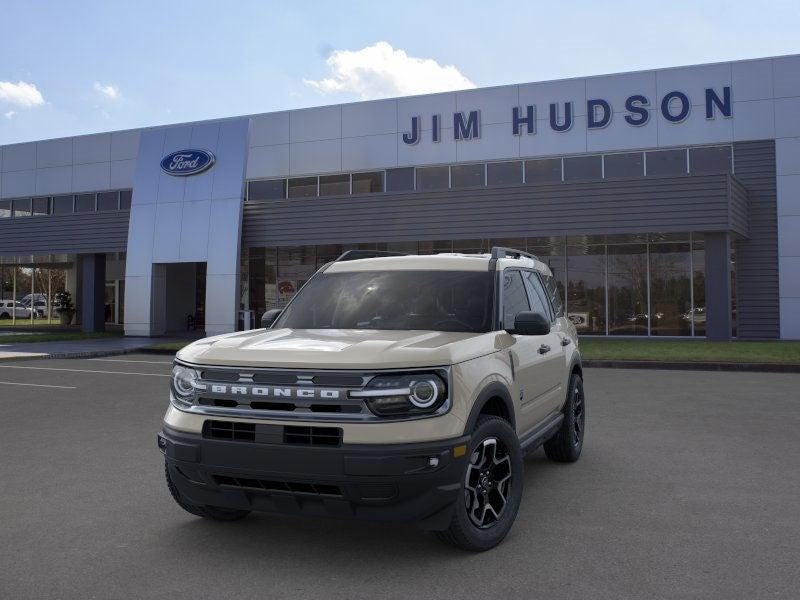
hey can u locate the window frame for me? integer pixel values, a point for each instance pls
(543, 297)
(354, 175)
(501, 296)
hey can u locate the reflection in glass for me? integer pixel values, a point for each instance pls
(628, 164)
(270, 189)
(295, 265)
(699, 285)
(710, 159)
(406, 247)
(22, 207)
(255, 279)
(627, 289)
(327, 253)
(433, 178)
(547, 170)
(468, 175)
(661, 163)
(400, 180)
(334, 185)
(550, 250)
(367, 183)
(41, 206)
(586, 273)
(670, 295)
(107, 201)
(435, 247)
(580, 168)
(470, 246)
(125, 199)
(582, 266)
(85, 203)
(504, 173)
(303, 187)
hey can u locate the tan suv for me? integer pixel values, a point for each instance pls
(399, 388)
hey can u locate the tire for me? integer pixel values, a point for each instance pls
(566, 445)
(495, 443)
(207, 512)
(5, 315)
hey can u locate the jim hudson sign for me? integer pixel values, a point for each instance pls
(674, 106)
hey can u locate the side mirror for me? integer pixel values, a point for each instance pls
(269, 317)
(531, 323)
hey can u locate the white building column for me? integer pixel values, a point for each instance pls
(190, 219)
(787, 163)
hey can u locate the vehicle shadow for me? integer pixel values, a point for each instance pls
(266, 537)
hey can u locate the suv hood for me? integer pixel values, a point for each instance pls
(339, 348)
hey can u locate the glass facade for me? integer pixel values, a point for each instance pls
(585, 167)
(39, 291)
(45, 290)
(20, 208)
(637, 285)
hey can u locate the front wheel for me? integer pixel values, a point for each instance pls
(492, 488)
(567, 443)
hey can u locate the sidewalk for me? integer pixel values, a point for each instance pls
(77, 348)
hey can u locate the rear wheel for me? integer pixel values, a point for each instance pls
(567, 443)
(492, 488)
(207, 512)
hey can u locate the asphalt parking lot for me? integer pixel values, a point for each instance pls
(689, 487)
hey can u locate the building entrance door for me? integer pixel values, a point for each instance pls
(179, 298)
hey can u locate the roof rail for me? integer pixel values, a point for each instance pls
(501, 252)
(358, 254)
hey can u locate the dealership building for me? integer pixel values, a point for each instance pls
(666, 202)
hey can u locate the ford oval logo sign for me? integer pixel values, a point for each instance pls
(187, 162)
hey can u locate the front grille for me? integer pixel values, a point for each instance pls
(263, 433)
(285, 394)
(231, 430)
(312, 436)
(317, 489)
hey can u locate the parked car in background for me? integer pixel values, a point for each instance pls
(39, 307)
(14, 308)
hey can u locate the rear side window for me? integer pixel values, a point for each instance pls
(515, 299)
(537, 295)
(551, 286)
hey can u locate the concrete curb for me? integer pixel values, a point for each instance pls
(693, 366)
(60, 355)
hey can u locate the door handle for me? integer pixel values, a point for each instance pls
(565, 341)
(544, 349)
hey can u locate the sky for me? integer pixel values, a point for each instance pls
(85, 66)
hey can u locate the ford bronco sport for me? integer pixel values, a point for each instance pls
(391, 387)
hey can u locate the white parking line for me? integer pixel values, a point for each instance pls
(61, 387)
(149, 362)
(84, 371)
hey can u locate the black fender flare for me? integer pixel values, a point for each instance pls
(576, 362)
(492, 390)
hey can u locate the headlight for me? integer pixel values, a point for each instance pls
(184, 384)
(404, 395)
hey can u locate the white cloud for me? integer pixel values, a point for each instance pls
(10, 114)
(20, 93)
(380, 71)
(109, 91)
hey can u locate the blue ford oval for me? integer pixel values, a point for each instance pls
(187, 162)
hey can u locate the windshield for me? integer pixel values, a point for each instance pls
(432, 300)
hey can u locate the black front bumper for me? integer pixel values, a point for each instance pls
(391, 482)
